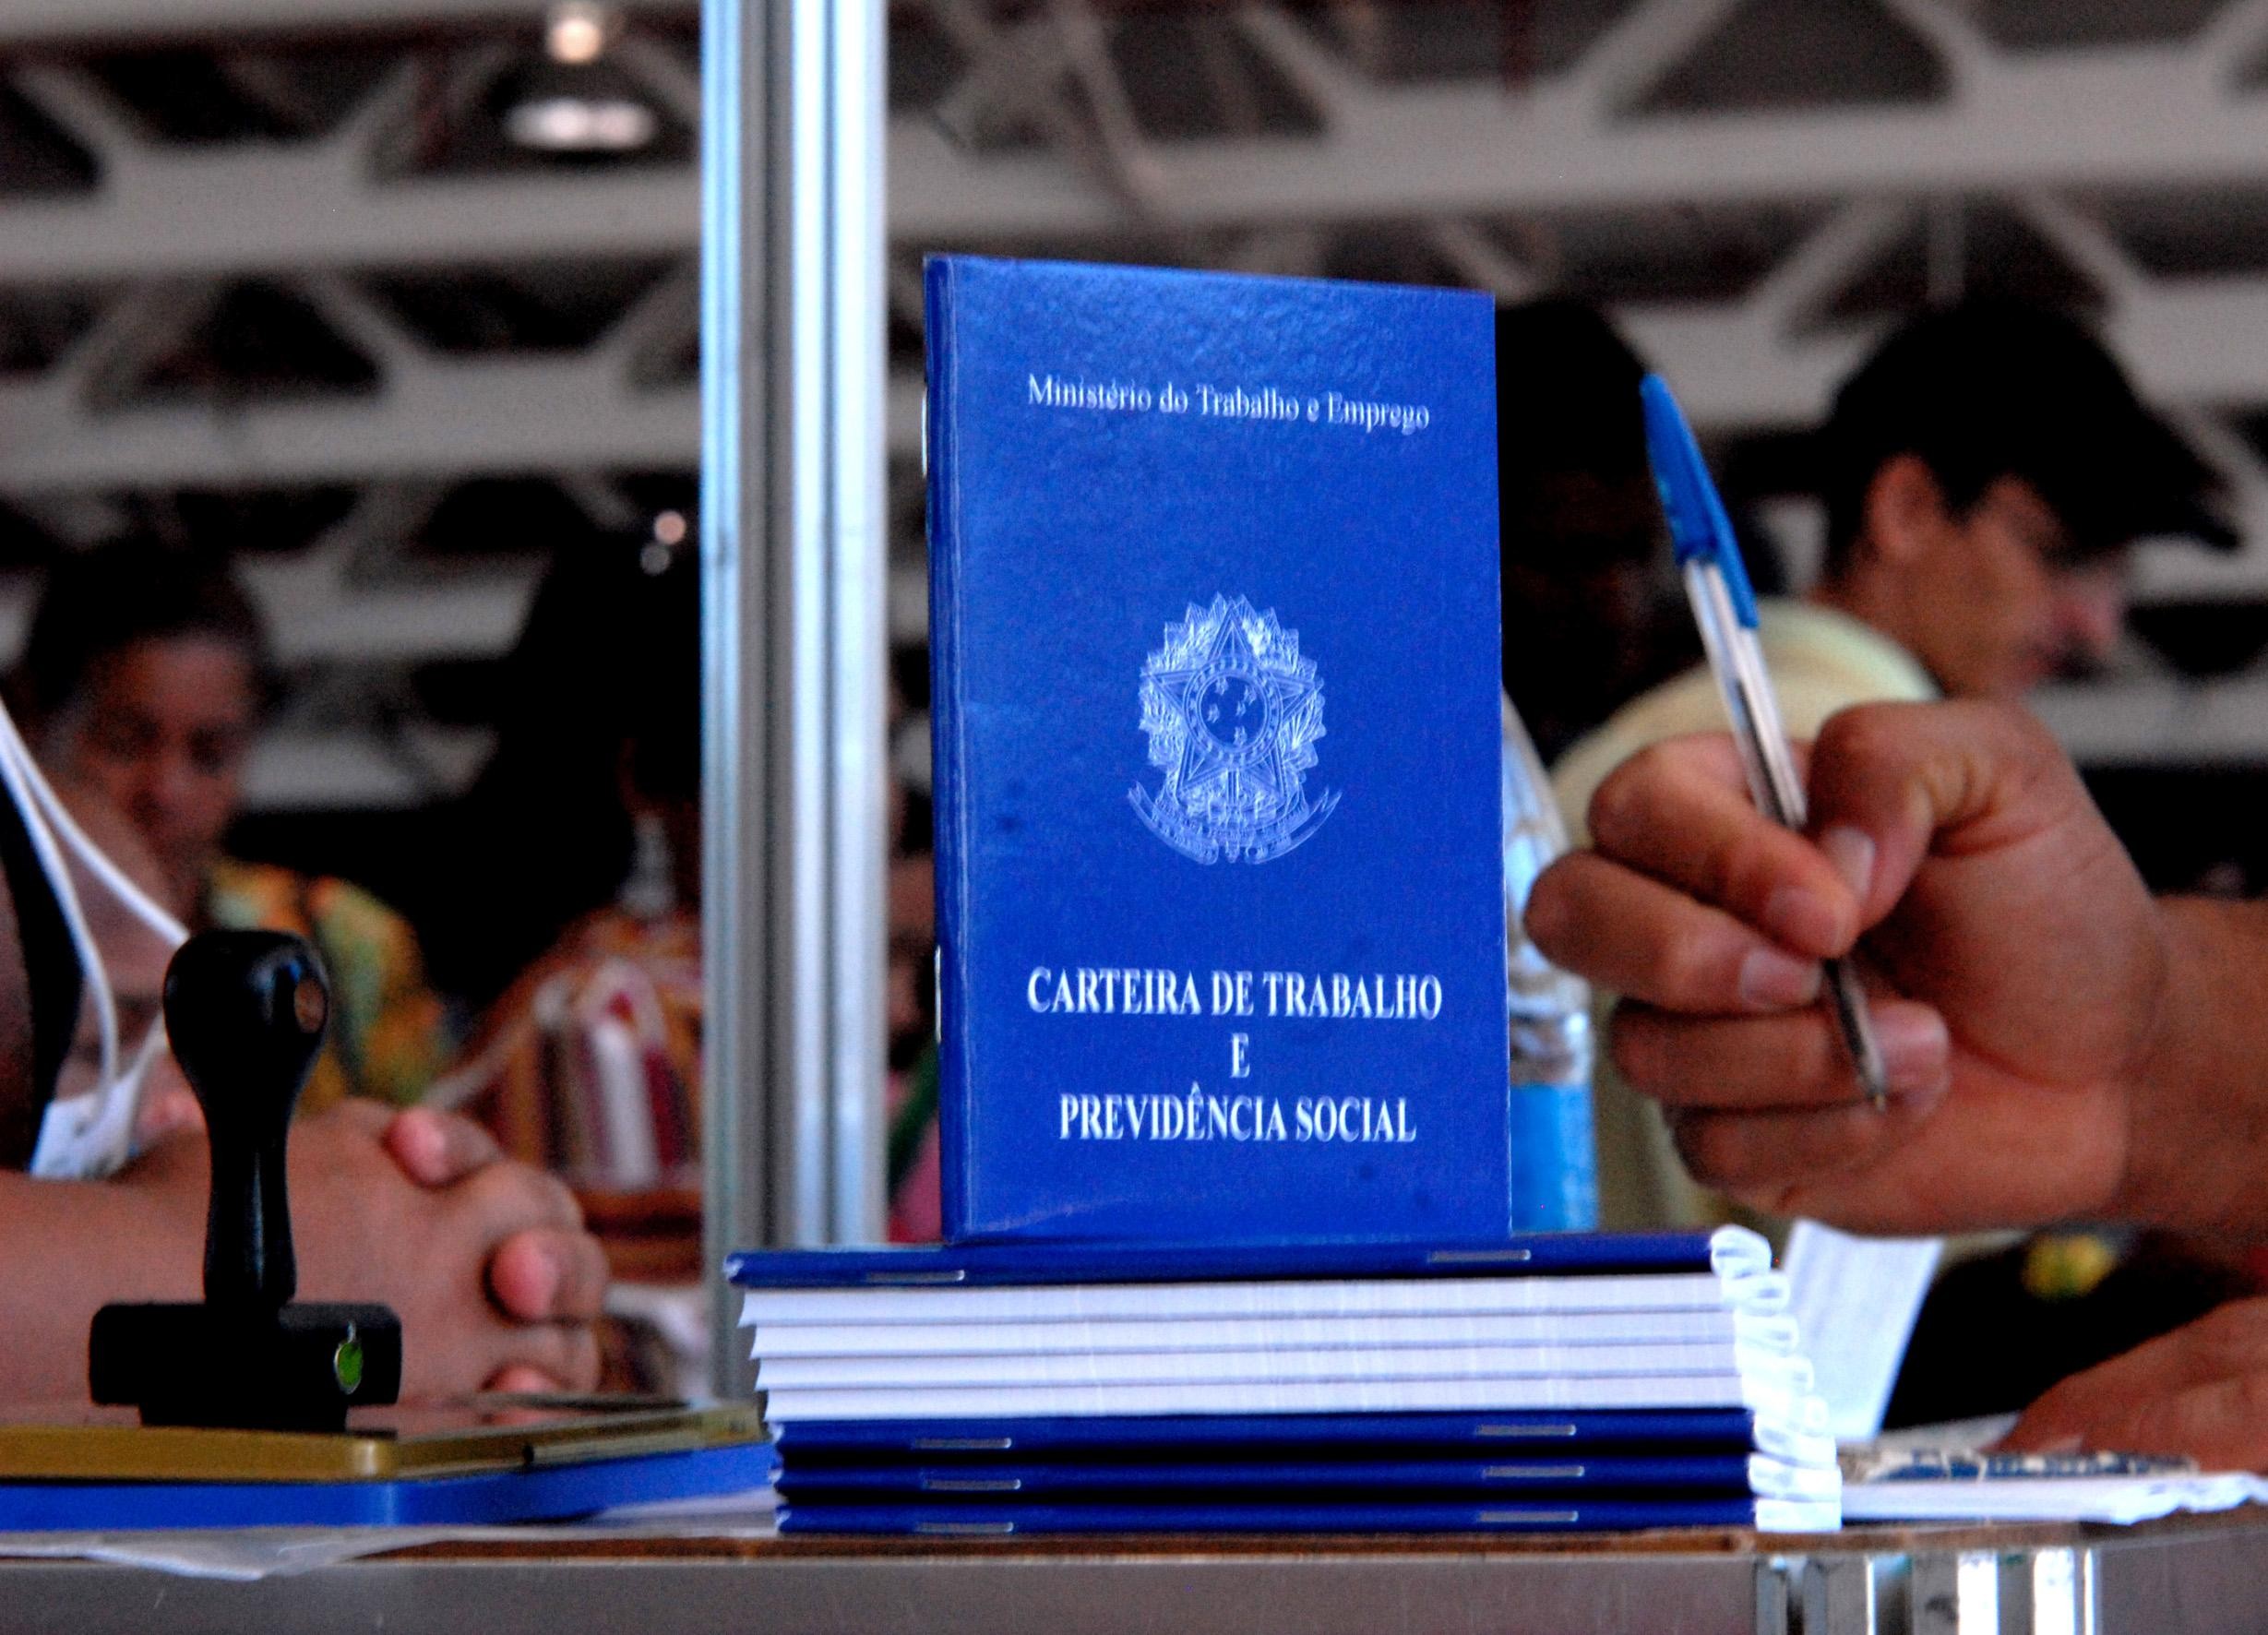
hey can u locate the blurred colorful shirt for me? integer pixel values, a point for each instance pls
(389, 1033)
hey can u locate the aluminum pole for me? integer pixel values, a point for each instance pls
(794, 642)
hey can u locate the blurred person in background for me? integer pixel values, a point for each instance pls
(1593, 613)
(585, 831)
(486, 1261)
(592, 796)
(586, 823)
(144, 678)
(1985, 473)
(583, 834)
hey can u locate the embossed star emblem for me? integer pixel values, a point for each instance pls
(1232, 712)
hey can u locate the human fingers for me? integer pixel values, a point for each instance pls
(1638, 937)
(436, 1148)
(545, 1357)
(1792, 1061)
(519, 1380)
(2201, 1390)
(1679, 812)
(2218, 1421)
(546, 1273)
(506, 1197)
(470, 1345)
(1765, 1158)
(1905, 780)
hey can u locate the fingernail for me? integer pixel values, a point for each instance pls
(550, 1274)
(416, 1132)
(1802, 919)
(1851, 853)
(1770, 980)
(1914, 1046)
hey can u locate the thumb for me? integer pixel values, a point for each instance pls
(1891, 783)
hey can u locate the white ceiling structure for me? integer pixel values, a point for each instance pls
(270, 266)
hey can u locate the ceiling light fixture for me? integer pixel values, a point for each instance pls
(577, 123)
(577, 103)
(577, 33)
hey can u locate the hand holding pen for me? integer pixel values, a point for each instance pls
(1716, 582)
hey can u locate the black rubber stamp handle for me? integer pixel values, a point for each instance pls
(244, 1012)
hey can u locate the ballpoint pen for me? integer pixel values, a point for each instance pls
(1717, 584)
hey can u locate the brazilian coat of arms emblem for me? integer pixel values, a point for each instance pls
(1231, 711)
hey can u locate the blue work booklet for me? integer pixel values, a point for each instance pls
(1725, 1254)
(1539, 1514)
(1279, 1436)
(1085, 1479)
(1215, 631)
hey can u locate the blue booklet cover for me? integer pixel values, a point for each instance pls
(809, 1442)
(1215, 631)
(1728, 1252)
(541, 1492)
(1081, 1480)
(1511, 1514)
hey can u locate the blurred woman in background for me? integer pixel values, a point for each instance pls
(144, 680)
(585, 831)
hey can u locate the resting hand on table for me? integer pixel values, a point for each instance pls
(485, 1261)
(2017, 969)
(2201, 1390)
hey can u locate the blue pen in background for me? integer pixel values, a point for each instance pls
(1717, 584)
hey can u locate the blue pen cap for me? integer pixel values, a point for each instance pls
(1698, 525)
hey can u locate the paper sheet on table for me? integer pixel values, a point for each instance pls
(237, 1554)
(1855, 1300)
(2121, 1499)
(244, 1554)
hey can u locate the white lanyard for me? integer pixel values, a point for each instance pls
(93, 1134)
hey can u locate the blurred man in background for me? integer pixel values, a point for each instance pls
(1985, 472)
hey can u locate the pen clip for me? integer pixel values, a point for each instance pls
(1699, 528)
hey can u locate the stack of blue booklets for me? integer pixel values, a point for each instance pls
(1573, 1382)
